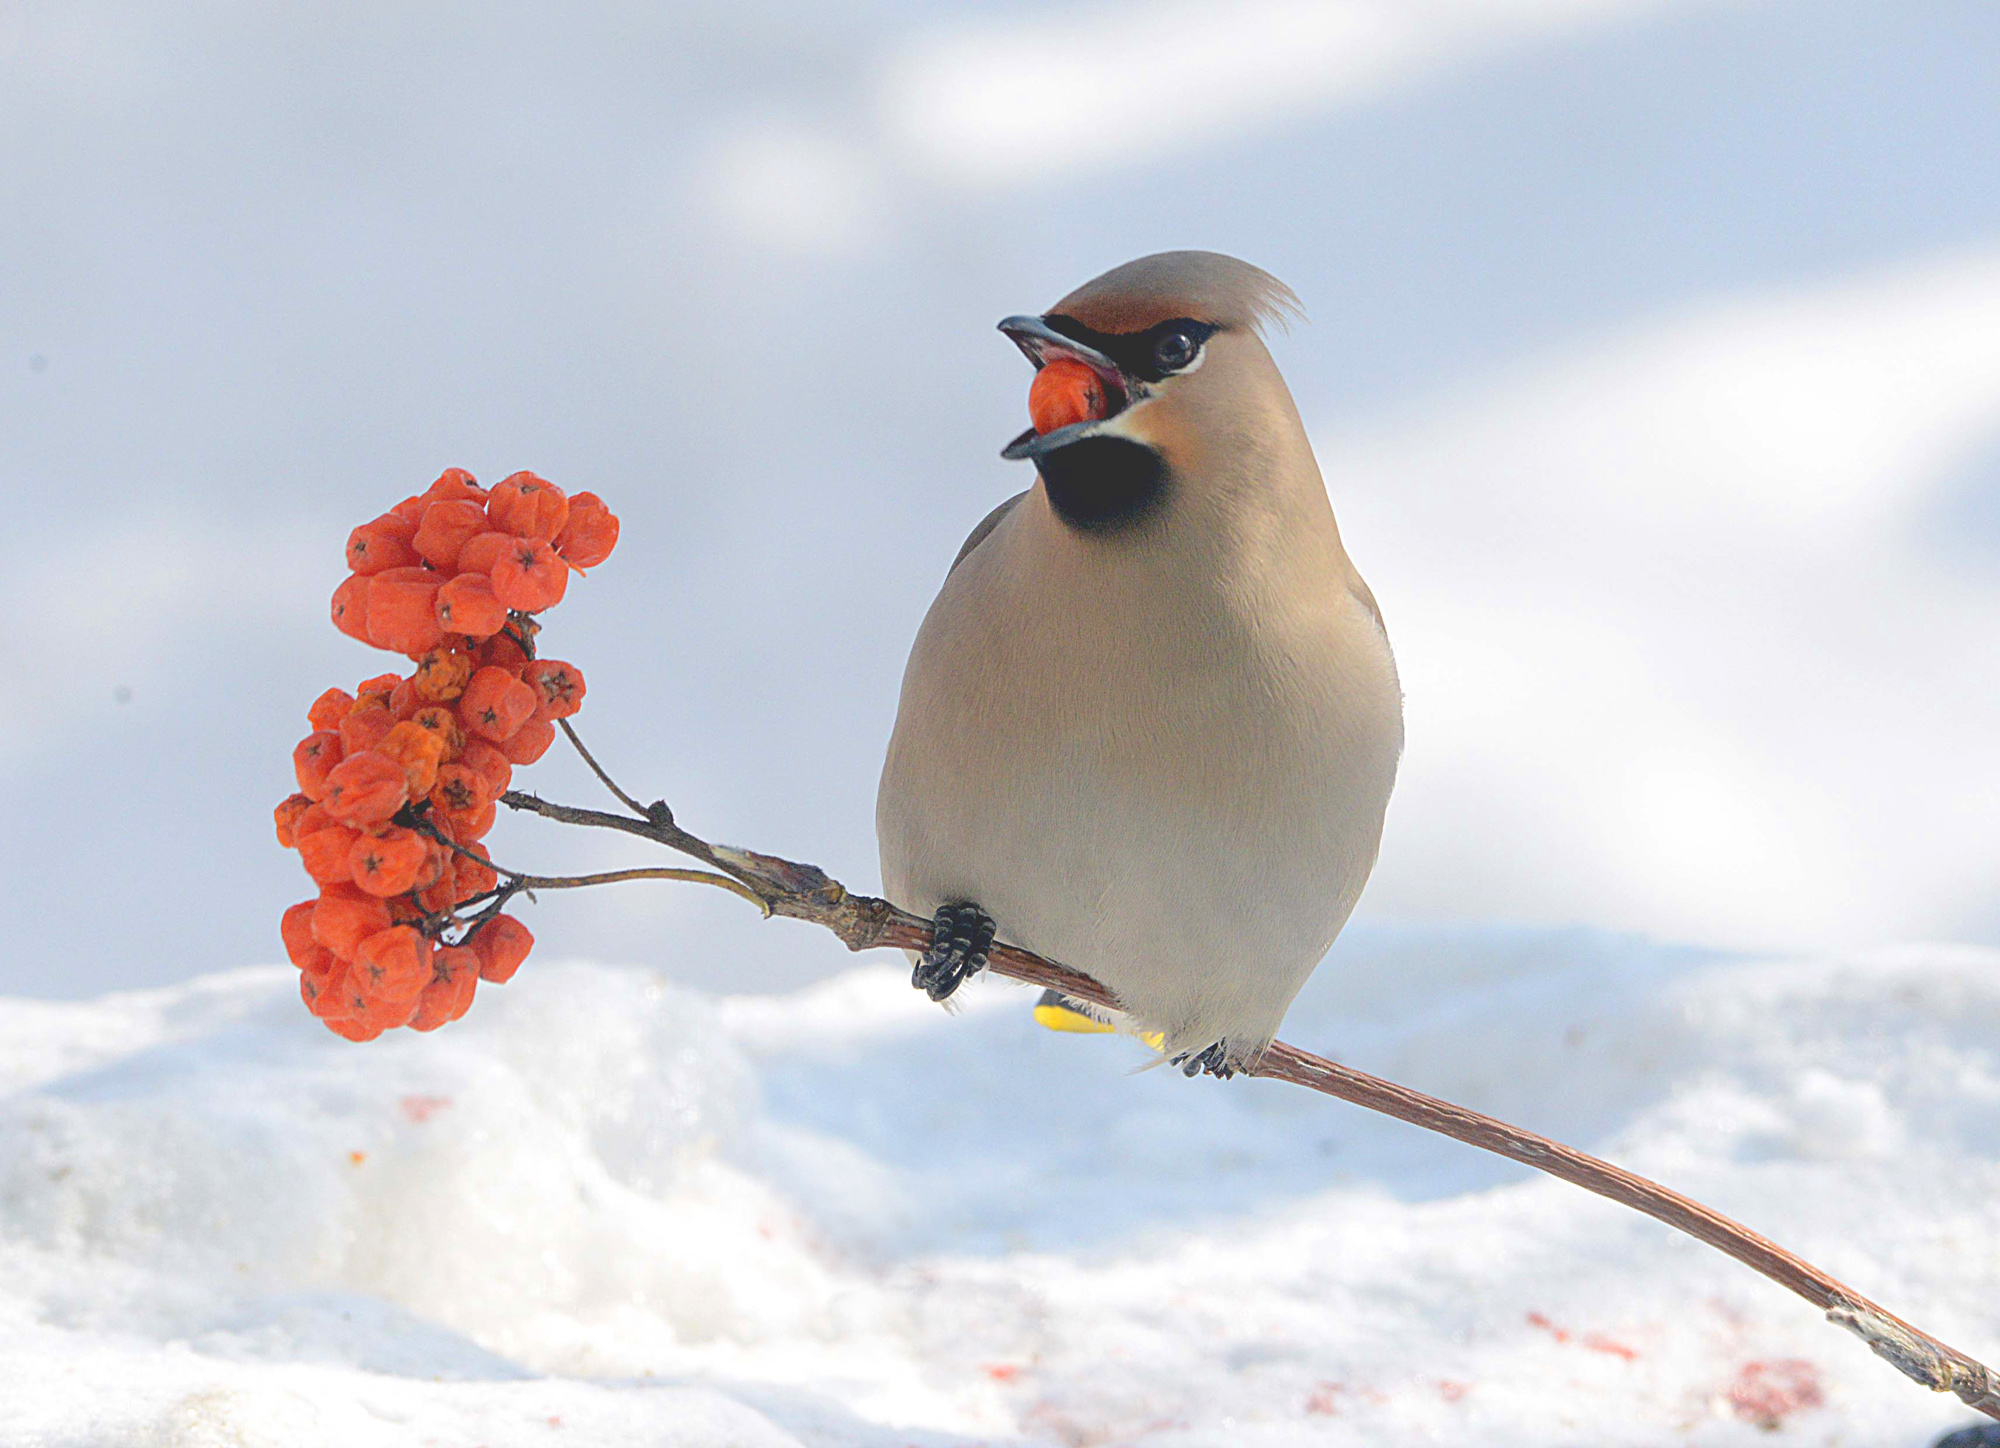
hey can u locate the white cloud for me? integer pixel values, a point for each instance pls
(1675, 657)
(1101, 86)
(1004, 103)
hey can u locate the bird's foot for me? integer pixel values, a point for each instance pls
(1213, 1060)
(961, 934)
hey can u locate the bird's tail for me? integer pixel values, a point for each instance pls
(1058, 1012)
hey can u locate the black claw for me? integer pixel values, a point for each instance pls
(961, 934)
(1214, 1060)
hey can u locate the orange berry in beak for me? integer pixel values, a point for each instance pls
(1065, 391)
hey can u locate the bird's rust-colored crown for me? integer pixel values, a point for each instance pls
(1204, 285)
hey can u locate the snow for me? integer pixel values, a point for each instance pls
(607, 1209)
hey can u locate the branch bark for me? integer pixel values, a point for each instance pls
(863, 922)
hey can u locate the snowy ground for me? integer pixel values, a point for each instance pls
(606, 1210)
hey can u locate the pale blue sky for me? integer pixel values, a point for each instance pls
(263, 270)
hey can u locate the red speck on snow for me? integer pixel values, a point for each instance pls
(1766, 1393)
(1535, 1319)
(422, 1108)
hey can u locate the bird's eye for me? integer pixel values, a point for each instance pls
(1174, 350)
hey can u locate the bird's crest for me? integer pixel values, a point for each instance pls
(1204, 285)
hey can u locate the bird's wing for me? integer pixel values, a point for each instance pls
(986, 525)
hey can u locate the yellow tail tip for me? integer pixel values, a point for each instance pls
(1054, 1012)
(1062, 1018)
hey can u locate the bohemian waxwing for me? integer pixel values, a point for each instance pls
(1150, 725)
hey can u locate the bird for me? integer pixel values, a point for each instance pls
(1150, 725)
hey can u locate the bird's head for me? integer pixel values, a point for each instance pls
(1185, 389)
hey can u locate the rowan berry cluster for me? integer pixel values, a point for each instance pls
(400, 780)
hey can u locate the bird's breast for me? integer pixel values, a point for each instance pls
(1119, 764)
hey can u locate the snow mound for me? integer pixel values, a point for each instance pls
(607, 1210)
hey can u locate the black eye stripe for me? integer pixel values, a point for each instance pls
(1137, 352)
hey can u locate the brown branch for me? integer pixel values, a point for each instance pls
(805, 892)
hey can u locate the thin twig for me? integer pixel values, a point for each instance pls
(598, 770)
(521, 880)
(805, 892)
(649, 872)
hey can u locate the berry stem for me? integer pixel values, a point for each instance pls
(598, 770)
(519, 880)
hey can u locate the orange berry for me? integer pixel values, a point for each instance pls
(419, 751)
(590, 534)
(441, 673)
(344, 916)
(467, 605)
(530, 576)
(311, 822)
(404, 910)
(454, 978)
(473, 827)
(388, 863)
(286, 817)
(1063, 392)
(329, 709)
(460, 792)
(558, 687)
(474, 876)
(434, 1005)
(502, 944)
(350, 607)
(342, 1006)
(460, 969)
(454, 483)
(295, 929)
(527, 506)
(366, 789)
(404, 700)
(530, 742)
(411, 510)
(324, 854)
(393, 965)
(323, 993)
(353, 1002)
(448, 525)
(382, 684)
(367, 724)
(402, 610)
(437, 859)
(440, 721)
(440, 895)
(502, 651)
(483, 550)
(314, 759)
(390, 1013)
(384, 543)
(489, 761)
(495, 704)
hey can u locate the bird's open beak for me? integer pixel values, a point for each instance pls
(1041, 344)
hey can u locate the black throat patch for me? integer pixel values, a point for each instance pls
(1103, 484)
